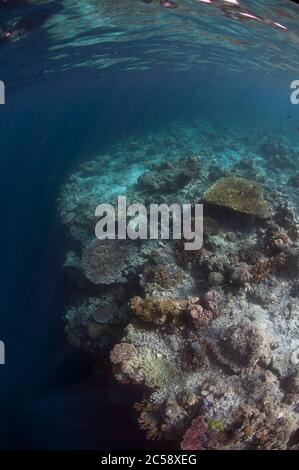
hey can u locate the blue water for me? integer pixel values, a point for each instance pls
(54, 118)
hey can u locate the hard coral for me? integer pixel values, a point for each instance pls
(160, 275)
(265, 266)
(244, 344)
(166, 421)
(260, 270)
(241, 274)
(212, 301)
(263, 429)
(123, 352)
(285, 217)
(203, 311)
(123, 358)
(277, 155)
(150, 419)
(194, 357)
(157, 311)
(200, 317)
(196, 437)
(107, 261)
(238, 194)
(158, 372)
(276, 239)
(216, 278)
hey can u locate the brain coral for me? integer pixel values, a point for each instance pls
(238, 194)
(108, 261)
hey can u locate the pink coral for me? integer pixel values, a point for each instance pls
(196, 437)
(122, 357)
(212, 301)
(241, 274)
(203, 311)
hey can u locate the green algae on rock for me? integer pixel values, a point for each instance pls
(238, 194)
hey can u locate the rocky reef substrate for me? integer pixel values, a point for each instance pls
(209, 336)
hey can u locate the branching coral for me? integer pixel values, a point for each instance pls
(166, 420)
(263, 429)
(150, 419)
(194, 357)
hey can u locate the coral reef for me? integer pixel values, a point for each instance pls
(210, 337)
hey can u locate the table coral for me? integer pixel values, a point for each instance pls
(238, 194)
(108, 261)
